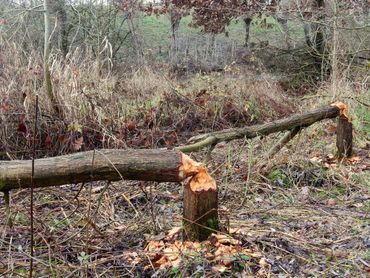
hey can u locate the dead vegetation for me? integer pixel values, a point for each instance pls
(301, 213)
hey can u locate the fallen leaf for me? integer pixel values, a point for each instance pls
(354, 159)
(171, 233)
(331, 202)
(263, 263)
(154, 245)
(219, 268)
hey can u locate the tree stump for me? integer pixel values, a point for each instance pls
(200, 207)
(344, 136)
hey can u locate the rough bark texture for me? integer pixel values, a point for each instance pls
(344, 136)
(113, 165)
(200, 207)
(298, 120)
(200, 193)
(47, 74)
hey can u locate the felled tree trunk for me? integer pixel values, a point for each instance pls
(292, 122)
(200, 193)
(112, 165)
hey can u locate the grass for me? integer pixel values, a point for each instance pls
(289, 221)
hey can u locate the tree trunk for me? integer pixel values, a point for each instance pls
(320, 39)
(175, 18)
(299, 120)
(200, 193)
(47, 75)
(113, 165)
(63, 23)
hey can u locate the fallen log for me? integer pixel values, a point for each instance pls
(200, 197)
(112, 165)
(292, 122)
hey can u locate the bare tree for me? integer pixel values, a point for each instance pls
(47, 74)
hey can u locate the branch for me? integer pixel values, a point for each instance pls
(298, 120)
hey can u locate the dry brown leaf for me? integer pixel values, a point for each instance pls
(171, 233)
(48, 142)
(161, 263)
(354, 159)
(219, 268)
(171, 253)
(263, 263)
(224, 239)
(154, 245)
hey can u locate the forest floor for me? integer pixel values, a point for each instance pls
(300, 213)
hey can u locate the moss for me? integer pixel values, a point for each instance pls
(280, 178)
(2, 184)
(212, 223)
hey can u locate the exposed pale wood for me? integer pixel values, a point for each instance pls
(344, 136)
(298, 120)
(113, 165)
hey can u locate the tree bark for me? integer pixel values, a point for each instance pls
(112, 165)
(344, 137)
(298, 120)
(60, 9)
(47, 74)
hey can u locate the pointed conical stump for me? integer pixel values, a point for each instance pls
(200, 216)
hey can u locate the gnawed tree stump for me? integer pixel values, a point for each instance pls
(344, 131)
(344, 137)
(200, 206)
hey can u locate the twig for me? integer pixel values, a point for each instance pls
(9, 221)
(32, 183)
(283, 141)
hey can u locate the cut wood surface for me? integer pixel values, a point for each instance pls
(112, 165)
(297, 120)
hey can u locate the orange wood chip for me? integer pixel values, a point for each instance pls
(342, 108)
(189, 167)
(202, 181)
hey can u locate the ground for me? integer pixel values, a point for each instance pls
(301, 213)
